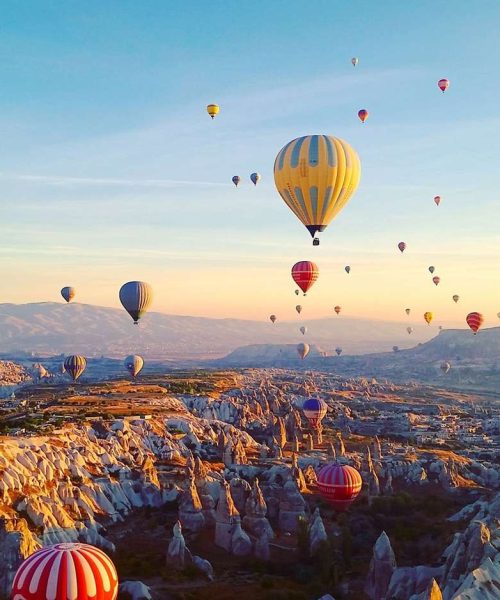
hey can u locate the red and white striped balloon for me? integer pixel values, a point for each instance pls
(304, 274)
(474, 321)
(70, 571)
(339, 485)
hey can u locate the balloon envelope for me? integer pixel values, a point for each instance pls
(68, 293)
(363, 115)
(443, 85)
(337, 309)
(474, 321)
(339, 485)
(136, 297)
(407, 311)
(445, 367)
(456, 298)
(432, 269)
(409, 330)
(303, 330)
(273, 318)
(236, 179)
(255, 178)
(348, 269)
(305, 273)
(402, 246)
(75, 365)
(428, 316)
(437, 200)
(338, 350)
(354, 61)
(213, 109)
(303, 350)
(314, 410)
(134, 364)
(436, 280)
(298, 308)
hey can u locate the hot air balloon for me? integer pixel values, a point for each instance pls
(498, 315)
(409, 330)
(68, 293)
(445, 367)
(236, 180)
(354, 61)
(297, 292)
(75, 365)
(436, 280)
(437, 200)
(68, 571)
(407, 311)
(134, 364)
(363, 115)
(255, 178)
(443, 85)
(348, 269)
(432, 269)
(402, 247)
(298, 308)
(440, 328)
(304, 274)
(474, 321)
(303, 330)
(337, 309)
(136, 297)
(339, 485)
(428, 316)
(314, 410)
(395, 348)
(338, 350)
(212, 110)
(316, 175)
(303, 350)
(273, 318)
(456, 298)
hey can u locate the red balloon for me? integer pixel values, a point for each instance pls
(436, 280)
(402, 246)
(339, 485)
(437, 200)
(304, 274)
(443, 85)
(363, 115)
(337, 309)
(474, 321)
(64, 571)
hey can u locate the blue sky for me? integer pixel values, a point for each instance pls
(110, 168)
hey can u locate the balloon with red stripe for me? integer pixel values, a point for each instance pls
(339, 485)
(314, 410)
(304, 274)
(474, 321)
(443, 85)
(69, 571)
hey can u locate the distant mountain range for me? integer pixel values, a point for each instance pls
(52, 328)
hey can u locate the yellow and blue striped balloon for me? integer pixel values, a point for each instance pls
(316, 175)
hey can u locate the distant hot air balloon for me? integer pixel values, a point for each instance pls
(303, 350)
(409, 330)
(354, 61)
(68, 293)
(338, 350)
(316, 175)
(437, 200)
(68, 571)
(402, 247)
(348, 269)
(339, 485)
(255, 178)
(236, 180)
(273, 318)
(432, 269)
(440, 328)
(134, 364)
(297, 292)
(136, 297)
(298, 308)
(212, 110)
(303, 330)
(337, 309)
(474, 321)
(445, 367)
(436, 280)
(304, 274)
(407, 311)
(443, 85)
(456, 298)
(395, 348)
(363, 115)
(314, 410)
(498, 315)
(75, 365)
(428, 316)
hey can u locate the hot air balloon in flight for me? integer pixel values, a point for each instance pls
(498, 315)
(437, 200)
(315, 410)
(305, 273)
(68, 293)
(297, 292)
(347, 269)
(212, 110)
(428, 316)
(339, 485)
(134, 364)
(456, 298)
(303, 350)
(316, 175)
(75, 365)
(436, 280)
(354, 61)
(298, 308)
(337, 309)
(273, 318)
(402, 247)
(443, 85)
(445, 367)
(338, 350)
(136, 297)
(236, 180)
(409, 330)
(432, 269)
(407, 311)
(363, 115)
(69, 571)
(255, 178)
(303, 330)
(395, 348)
(474, 321)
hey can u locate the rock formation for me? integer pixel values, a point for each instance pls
(382, 567)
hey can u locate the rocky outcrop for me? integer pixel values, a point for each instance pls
(255, 521)
(381, 570)
(178, 556)
(191, 508)
(136, 590)
(317, 533)
(292, 506)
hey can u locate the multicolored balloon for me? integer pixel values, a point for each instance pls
(273, 318)
(75, 365)
(315, 410)
(68, 571)
(255, 178)
(68, 293)
(303, 350)
(402, 246)
(409, 330)
(134, 364)
(136, 297)
(437, 200)
(305, 273)
(236, 180)
(474, 321)
(354, 61)
(339, 485)
(436, 280)
(363, 115)
(428, 316)
(212, 110)
(337, 309)
(443, 85)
